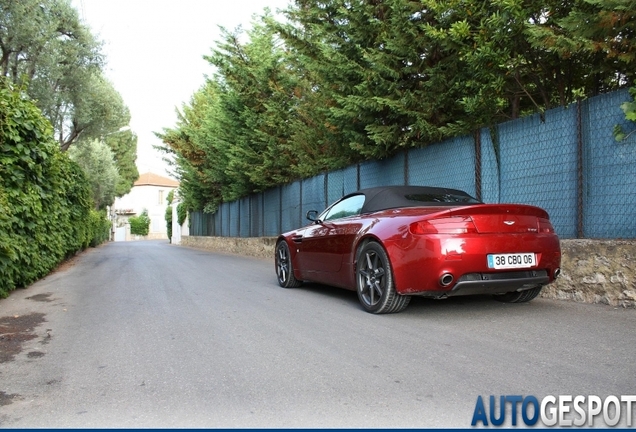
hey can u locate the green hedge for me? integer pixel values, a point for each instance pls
(168, 217)
(182, 213)
(140, 225)
(100, 227)
(45, 200)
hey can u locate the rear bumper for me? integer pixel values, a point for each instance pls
(424, 266)
(492, 283)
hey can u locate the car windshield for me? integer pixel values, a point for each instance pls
(441, 198)
(347, 207)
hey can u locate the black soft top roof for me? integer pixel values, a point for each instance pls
(388, 197)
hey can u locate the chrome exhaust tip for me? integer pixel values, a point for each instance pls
(446, 280)
(557, 273)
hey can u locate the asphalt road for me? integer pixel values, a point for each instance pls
(147, 334)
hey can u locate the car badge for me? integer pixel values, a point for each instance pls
(509, 222)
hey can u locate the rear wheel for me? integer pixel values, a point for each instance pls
(374, 280)
(284, 268)
(519, 296)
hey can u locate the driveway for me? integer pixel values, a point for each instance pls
(147, 334)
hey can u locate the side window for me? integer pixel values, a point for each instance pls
(348, 207)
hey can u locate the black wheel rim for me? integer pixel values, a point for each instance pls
(371, 278)
(282, 264)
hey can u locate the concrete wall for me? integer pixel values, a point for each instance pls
(593, 271)
(178, 231)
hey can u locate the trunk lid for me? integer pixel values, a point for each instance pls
(503, 218)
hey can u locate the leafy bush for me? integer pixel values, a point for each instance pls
(140, 225)
(45, 198)
(182, 213)
(629, 108)
(169, 214)
(169, 221)
(99, 227)
(96, 159)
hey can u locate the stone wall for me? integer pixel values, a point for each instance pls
(593, 271)
(596, 271)
(257, 247)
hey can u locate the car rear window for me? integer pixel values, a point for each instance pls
(445, 198)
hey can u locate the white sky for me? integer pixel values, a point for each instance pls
(155, 52)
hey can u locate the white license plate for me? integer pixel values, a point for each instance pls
(511, 261)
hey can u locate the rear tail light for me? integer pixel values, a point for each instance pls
(545, 226)
(449, 225)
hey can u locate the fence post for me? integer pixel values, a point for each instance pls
(280, 208)
(406, 167)
(579, 168)
(300, 208)
(477, 137)
(326, 186)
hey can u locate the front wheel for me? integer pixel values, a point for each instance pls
(284, 268)
(519, 296)
(374, 280)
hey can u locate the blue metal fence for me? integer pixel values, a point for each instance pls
(539, 165)
(609, 190)
(565, 161)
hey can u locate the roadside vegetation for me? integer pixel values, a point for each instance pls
(182, 214)
(168, 215)
(140, 225)
(629, 108)
(46, 209)
(66, 150)
(339, 82)
(58, 62)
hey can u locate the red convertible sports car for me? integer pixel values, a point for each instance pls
(391, 243)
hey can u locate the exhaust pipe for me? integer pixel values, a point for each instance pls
(446, 280)
(557, 273)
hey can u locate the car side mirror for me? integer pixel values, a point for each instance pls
(312, 215)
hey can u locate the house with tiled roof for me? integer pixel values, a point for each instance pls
(149, 192)
(152, 179)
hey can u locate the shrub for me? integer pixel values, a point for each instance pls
(169, 222)
(629, 108)
(140, 225)
(99, 227)
(182, 213)
(45, 198)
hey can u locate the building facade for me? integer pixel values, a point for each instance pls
(149, 192)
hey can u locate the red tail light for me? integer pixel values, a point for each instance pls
(449, 225)
(545, 226)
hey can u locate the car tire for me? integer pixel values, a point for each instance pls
(284, 267)
(374, 281)
(519, 296)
